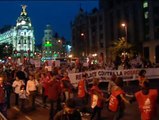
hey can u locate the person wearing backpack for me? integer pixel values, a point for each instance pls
(117, 99)
(142, 77)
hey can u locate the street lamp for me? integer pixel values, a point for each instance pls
(82, 34)
(84, 37)
(125, 29)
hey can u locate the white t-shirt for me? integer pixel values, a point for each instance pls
(16, 85)
(31, 85)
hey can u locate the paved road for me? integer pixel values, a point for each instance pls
(131, 112)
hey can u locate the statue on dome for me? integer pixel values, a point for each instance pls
(23, 10)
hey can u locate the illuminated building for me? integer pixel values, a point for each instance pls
(52, 47)
(20, 36)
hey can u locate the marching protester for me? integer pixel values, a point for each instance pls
(54, 91)
(8, 87)
(69, 111)
(142, 77)
(147, 102)
(16, 86)
(43, 82)
(3, 104)
(97, 99)
(22, 96)
(82, 89)
(117, 99)
(111, 83)
(66, 86)
(31, 89)
(82, 94)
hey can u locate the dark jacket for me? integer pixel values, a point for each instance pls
(2, 94)
(54, 90)
(62, 115)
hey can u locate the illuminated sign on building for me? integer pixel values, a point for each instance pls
(47, 44)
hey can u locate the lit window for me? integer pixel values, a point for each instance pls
(146, 15)
(145, 4)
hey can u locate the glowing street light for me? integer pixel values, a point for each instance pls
(70, 56)
(82, 34)
(59, 41)
(125, 29)
(85, 41)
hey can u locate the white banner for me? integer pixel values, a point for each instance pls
(105, 75)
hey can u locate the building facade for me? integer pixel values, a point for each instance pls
(80, 35)
(52, 47)
(21, 36)
(141, 28)
(88, 34)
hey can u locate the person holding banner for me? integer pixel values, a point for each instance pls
(142, 77)
(111, 83)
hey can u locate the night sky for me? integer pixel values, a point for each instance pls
(57, 13)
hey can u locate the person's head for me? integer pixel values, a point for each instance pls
(142, 72)
(53, 76)
(84, 75)
(42, 75)
(113, 77)
(20, 75)
(119, 81)
(65, 74)
(70, 106)
(95, 81)
(1, 79)
(22, 87)
(31, 77)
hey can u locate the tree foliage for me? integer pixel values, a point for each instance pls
(120, 46)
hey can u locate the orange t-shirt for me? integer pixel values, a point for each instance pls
(147, 103)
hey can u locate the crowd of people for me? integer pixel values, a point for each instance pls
(26, 83)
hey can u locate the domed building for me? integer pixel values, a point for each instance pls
(21, 36)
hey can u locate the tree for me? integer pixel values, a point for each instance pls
(121, 46)
(6, 50)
